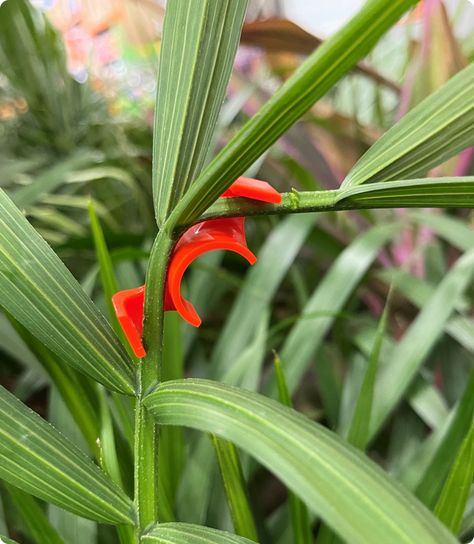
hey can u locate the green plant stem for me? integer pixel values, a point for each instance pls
(148, 376)
(427, 193)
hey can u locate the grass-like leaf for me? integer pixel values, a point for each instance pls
(431, 483)
(34, 517)
(349, 491)
(455, 494)
(419, 340)
(330, 295)
(299, 514)
(261, 282)
(40, 293)
(200, 39)
(454, 192)
(436, 129)
(187, 533)
(235, 488)
(358, 434)
(39, 460)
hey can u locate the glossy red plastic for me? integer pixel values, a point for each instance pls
(210, 235)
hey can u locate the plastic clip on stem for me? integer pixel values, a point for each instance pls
(214, 234)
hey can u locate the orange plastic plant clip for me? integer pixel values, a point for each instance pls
(210, 235)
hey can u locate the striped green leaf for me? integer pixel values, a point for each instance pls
(187, 533)
(329, 296)
(262, 280)
(334, 58)
(200, 39)
(436, 129)
(410, 353)
(455, 192)
(431, 482)
(352, 494)
(39, 460)
(299, 514)
(34, 517)
(235, 488)
(50, 179)
(40, 293)
(358, 434)
(455, 494)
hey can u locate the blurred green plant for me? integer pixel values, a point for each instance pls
(395, 383)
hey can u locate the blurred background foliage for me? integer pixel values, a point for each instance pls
(76, 94)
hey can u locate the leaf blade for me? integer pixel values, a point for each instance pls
(418, 341)
(455, 494)
(39, 460)
(40, 293)
(309, 459)
(436, 129)
(200, 40)
(188, 533)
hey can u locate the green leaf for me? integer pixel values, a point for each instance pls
(335, 57)
(187, 533)
(200, 39)
(438, 128)
(39, 460)
(5, 540)
(430, 485)
(34, 517)
(107, 276)
(359, 434)
(261, 282)
(350, 493)
(72, 529)
(40, 293)
(419, 340)
(418, 292)
(330, 295)
(235, 488)
(48, 181)
(453, 230)
(299, 514)
(75, 390)
(454, 192)
(171, 445)
(455, 494)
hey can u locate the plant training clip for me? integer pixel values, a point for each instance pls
(213, 234)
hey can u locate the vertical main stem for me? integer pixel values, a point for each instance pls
(148, 376)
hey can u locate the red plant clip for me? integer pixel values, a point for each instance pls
(210, 235)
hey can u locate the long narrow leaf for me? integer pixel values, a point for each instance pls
(262, 280)
(34, 517)
(200, 39)
(455, 494)
(299, 513)
(431, 483)
(187, 533)
(330, 295)
(40, 293)
(38, 459)
(354, 496)
(358, 434)
(419, 340)
(429, 192)
(438, 128)
(235, 488)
